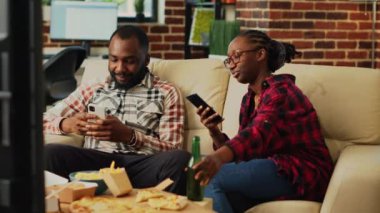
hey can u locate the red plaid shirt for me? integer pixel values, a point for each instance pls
(154, 108)
(285, 128)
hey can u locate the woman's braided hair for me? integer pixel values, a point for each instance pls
(278, 52)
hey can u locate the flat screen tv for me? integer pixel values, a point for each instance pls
(21, 107)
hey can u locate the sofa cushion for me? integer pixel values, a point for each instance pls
(231, 110)
(355, 184)
(299, 206)
(208, 78)
(70, 139)
(347, 101)
(95, 70)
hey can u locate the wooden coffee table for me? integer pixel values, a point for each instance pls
(204, 206)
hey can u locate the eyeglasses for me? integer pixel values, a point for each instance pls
(231, 61)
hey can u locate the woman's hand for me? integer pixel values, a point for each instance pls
(207, 168)
(209, 120)
(109, 129)
(210, 165)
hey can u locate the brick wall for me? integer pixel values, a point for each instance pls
(166, 40)
(327, 32)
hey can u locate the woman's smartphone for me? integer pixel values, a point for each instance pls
(198, 101)
(97, 110)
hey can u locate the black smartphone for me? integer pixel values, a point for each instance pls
(198, 101)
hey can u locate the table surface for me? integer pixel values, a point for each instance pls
(199, 207)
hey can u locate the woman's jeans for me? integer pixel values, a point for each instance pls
(252, 182)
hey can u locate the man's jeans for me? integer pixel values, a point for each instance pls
(253, 182)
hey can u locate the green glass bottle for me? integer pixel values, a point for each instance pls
(194, 190)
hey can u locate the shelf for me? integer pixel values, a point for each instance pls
(202, 4)
(210, 3)
(228, 3)
(219, 8)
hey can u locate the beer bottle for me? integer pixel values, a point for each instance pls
(194, 190)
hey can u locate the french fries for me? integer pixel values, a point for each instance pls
(116, 179)
(112, 169)
(88, 176)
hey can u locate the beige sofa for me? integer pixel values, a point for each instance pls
(348, 104)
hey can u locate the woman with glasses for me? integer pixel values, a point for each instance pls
(279, 151)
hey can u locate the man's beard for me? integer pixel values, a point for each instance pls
(134, 78)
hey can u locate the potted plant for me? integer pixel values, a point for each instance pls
(139, 9)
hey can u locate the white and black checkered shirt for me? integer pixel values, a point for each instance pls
(153, 108)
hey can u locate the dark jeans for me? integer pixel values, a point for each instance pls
(143, 170)
(239, 186)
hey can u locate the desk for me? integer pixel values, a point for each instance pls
(198, 207)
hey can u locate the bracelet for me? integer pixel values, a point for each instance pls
(133, 140)
(60, 127)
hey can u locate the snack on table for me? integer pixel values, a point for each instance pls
(71, 191)
(88, 176)
(70, 185)
(146, 194)
(117, 180)
(105, 205)
(98, 204)
(111, 169)
(172, 202)
(76, 186)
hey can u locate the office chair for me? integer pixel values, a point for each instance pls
(59, 73)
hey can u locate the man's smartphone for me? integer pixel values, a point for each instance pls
(198, 101)
(97, 110)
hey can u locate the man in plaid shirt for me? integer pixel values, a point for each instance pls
(144, 123)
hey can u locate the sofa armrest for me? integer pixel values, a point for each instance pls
(287, 206)
(355, 184)
(70, 139)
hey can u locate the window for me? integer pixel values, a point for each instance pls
(127, 12)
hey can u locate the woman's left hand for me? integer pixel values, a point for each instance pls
(207, 168)
(210, 165)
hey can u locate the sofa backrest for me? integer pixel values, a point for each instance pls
(94, 70)
(347, 101)
(207, 77)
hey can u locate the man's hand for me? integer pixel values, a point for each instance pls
(109, 129)
(75, 124)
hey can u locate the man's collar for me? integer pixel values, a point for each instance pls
(147, 81)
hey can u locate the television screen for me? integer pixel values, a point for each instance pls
(83, 20)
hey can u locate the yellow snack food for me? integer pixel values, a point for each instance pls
(76, 186)
(146, 194)
(111, 170)
(172, 202)
(116, 179)
(106, 205)
(88, 176)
